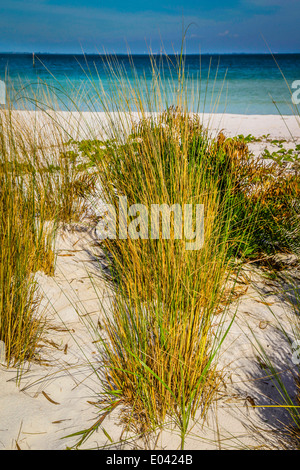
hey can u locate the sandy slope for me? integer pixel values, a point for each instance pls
(54, 399)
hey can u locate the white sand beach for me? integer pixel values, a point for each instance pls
(85, 124)
(55, 398)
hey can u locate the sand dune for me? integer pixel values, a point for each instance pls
(54, 398)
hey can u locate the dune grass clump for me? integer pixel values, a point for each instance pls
(41, 187)
(278, 225)
(26, 246)
(161, 343)
(273, 193)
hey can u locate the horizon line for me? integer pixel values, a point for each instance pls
(145, 53)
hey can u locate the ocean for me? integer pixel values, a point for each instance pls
(231, 83)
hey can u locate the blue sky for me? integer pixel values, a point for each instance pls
(217, 26)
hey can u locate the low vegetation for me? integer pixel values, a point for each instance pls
(160, 346)
(39, 188)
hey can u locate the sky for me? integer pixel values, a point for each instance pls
(215, 26)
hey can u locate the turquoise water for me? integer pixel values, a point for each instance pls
(246, 84)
